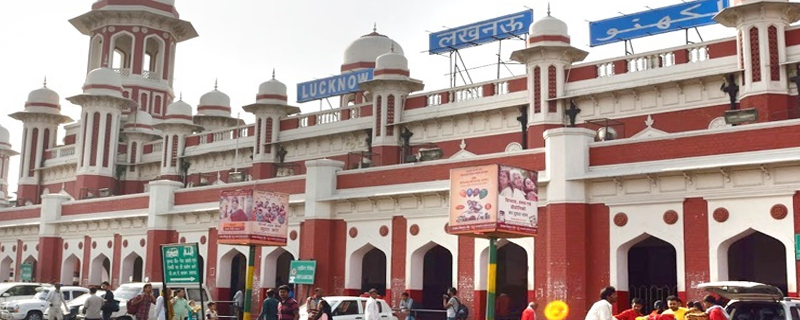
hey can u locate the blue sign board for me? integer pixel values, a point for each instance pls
(680, 16)
(333, 86)
(481, 32)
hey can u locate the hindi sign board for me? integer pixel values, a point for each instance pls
(481, 32)
(332, 86)
(253, 217)
(493, 200)
(641, 24)
(26, 272)
(181, 263)
(302, 271)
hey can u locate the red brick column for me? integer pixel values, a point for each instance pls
(466, 275)
(18, 260)
(398, 261)
(116, 262)
(155, 238)
(566, 259)
(211, 262)
(598, 254)
(50, 249)
(87, 257)
(695, 244)
(324, 241)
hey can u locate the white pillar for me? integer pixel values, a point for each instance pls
(320, 184)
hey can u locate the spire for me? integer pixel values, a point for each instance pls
(45, 81)
(216, 81)
(180, 98)
(548, 9)
(273, 73)
(374, 27)
(392, 47)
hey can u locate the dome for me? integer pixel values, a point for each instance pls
(103, 81)
(167, 2)
(141, 120)
(5, 140)
(43, 100)
(214, 103)
(272, 92)
(179, 110)
(548, 26)
(391, 60)
(369, 47)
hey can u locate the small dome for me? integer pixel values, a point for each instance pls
(103, 81)
(5, 140)
(272, 92)
(179, 110)
(214, 103)
(139, 120)
(43, 100)
(369, 47)
(548, 26)
(391, 60)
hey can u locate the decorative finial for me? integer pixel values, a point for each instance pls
(392, 48)
(273, 73)
(374, 27)
(548, 9)
(216, 81)
(180, 98)
(45, 81)
(105, 62)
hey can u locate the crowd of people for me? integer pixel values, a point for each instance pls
(707, 309)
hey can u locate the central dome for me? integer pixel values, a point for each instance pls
(370, 47)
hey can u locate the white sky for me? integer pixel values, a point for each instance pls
(242, 40)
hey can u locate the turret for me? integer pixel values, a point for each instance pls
(102, 105)
(214, 112)
(5, 154)
(176, 126)
(269, 108)
(40, 119)
(137, 131)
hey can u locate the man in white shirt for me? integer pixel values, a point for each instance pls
(373, 308)
(601, 310)
(56, 299)
(238, 301)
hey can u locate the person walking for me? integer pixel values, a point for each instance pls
(601, 310)
(451, 303)
(93, 306)
(180, 306)
(373, 307)
(407, 306)
(288, 309)
(530, 312)
(238, 298)
(109, 305)
(161, 310)
(312, 302)
(56, 299)
(145, 300)
(634, 312)
(713, 309)
(269, 308)
(675, 308)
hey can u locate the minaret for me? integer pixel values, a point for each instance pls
(137, 131)
(547, 55)
(761, 45)
(389, 88)
(5, 154)
(214, 111)
(176, 126)
(40, 120)
(137, 39)
(269, 108)
(102, 106)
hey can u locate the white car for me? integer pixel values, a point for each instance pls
(35, 308)
(11, 291)
(128, 291)
(350, 308)
(754, 301)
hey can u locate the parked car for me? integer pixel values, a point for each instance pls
(754, 301)
(11, 291)
(128, 291)
(35, 307)
(350, 308)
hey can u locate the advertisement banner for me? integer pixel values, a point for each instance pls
(494, 200)
(253, 217)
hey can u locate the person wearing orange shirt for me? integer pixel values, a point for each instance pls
(632, 313)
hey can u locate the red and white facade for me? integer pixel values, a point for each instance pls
(139, 169)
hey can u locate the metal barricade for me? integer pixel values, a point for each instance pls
(226, 310)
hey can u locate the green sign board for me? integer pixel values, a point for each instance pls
(181, 263)
(302, 272)
(26, 272)
(797, 247)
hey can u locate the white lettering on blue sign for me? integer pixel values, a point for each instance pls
(333, 86)
(645, 23)
(481, 32)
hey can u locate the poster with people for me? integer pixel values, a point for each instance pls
(493, 199)
(253, 217)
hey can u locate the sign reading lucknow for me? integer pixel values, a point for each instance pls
(302, 272)
(180, 262)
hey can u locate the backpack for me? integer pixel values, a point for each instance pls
(463, 312)
(133, 305)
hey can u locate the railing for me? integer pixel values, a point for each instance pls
(605, 69)
(158, 146)
(125, 72)
(698, 54)
(151, 75)
(467, 93)
(61, 152)
(653, 61)
(329, 116)
(222, 135)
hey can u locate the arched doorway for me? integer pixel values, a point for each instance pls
(759, 258)
(652, 271)
(100, 270)
(131, 268)
(238, 273)
(373, 271)
(71, 270)
(282, 267)
(512, 281)
(5, 270)
(32, 261)
(437, 277)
